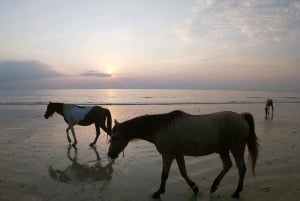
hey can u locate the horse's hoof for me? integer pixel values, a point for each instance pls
(155, 195)
(92, 144)
(213, 189)
(195, 189)
(235, 195)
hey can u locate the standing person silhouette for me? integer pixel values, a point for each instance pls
(269, 104)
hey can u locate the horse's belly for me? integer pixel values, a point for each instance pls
(84, 123)
(198, 149)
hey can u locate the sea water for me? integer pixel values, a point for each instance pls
(129, 103)
(142, 97)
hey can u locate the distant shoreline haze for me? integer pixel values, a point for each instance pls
(37, 75)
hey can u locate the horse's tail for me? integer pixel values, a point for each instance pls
(252, 141)
(108, 121)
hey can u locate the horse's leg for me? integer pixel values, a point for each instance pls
(73, 133)
(97, 134)
(181, 164)
(97, 154)
(74, 159)
(227, 164)
(167, 161)
(107, 130)
(104, 128)
(68, 137)
(240, 163)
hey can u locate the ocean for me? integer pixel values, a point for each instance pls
(142, 97)
(128, 103)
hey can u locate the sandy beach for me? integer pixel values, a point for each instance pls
(38, 165)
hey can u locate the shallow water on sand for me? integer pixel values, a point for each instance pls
(38, 164)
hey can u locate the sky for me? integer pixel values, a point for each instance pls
(193, 44)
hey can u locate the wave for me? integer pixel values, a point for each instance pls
(155, 103)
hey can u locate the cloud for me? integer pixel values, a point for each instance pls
(246, 21)
(11, 71)
(96, 74)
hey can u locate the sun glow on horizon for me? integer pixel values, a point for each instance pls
(109, 68)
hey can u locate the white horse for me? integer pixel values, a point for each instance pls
(83, 116)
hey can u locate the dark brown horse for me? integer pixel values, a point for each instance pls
(177, 134)
(83, 116)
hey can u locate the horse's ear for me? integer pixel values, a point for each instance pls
(116, 122)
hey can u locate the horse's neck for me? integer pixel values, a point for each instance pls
(146, 129)
(147, 138)
(60, 109)
(137, 133)
(60, 112)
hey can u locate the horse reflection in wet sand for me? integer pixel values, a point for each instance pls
(177, 134)
(83, 116)
(80, 172)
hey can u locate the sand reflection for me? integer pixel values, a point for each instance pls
(82, 171)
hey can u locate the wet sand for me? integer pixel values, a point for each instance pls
(37, 164)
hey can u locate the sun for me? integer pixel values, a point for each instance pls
(110, 69)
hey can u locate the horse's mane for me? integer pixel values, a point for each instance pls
(58, 107)
(148, 125)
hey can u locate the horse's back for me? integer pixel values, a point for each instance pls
(97, 113)
(205, 134)
(214, 123)
(76, 113)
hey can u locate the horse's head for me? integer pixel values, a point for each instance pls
(50, 110)
(118, 141)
